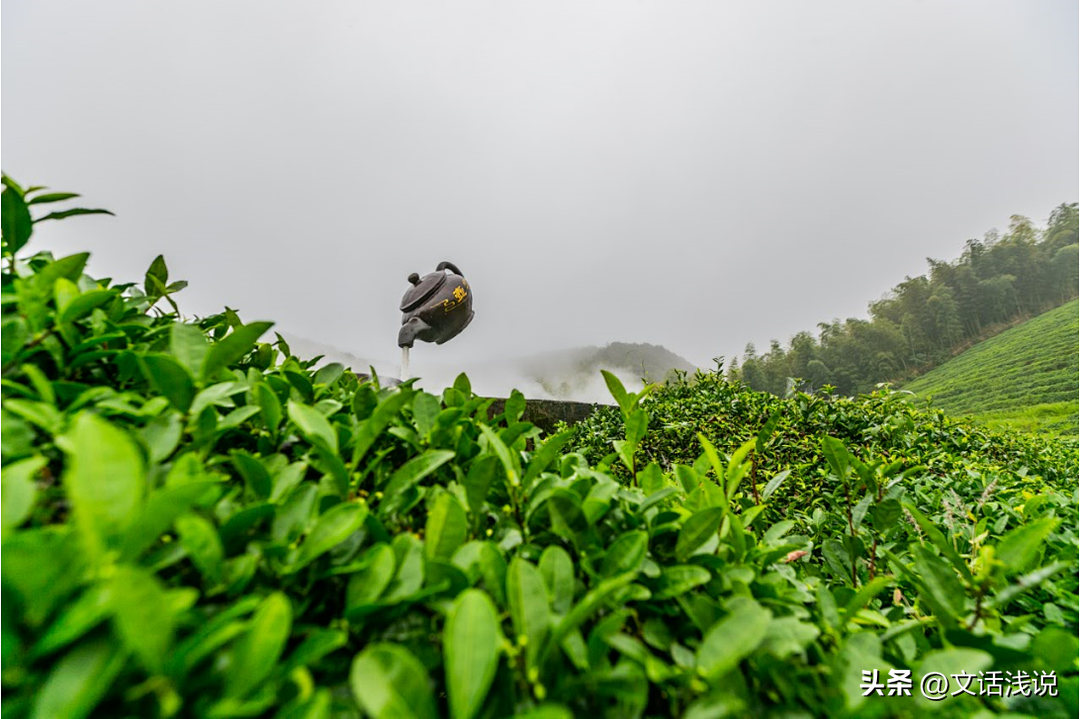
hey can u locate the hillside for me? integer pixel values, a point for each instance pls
(924, 321)
(1025, 378)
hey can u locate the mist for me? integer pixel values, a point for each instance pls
(561, 375)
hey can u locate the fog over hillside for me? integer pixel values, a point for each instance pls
(572, 374)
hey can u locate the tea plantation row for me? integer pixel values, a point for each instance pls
(198, 523)
(1024, 377)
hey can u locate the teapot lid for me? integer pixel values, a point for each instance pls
(421, 289)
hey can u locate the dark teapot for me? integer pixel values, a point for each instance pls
(436, 308)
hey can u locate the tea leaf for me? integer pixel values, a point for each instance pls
(446, 528)
(544, 456)
(472, 641)
(697, 529)
(732, 639)
(425, 409)
(527, 597)
(203, 545)
(141, 614)
(501, 451)
(257, 651)
(233, 348)
(313, 425)
(410, 473)
(615, 386)
(18, 490)
(79, 681)
(332, 528)
(368, 583)
(104, 479)
(166, 375)
(90, 609)
(388, 682)
(775, 483)
(680, 578)
(478, 481)
(1018, 548)
(558, 571)
(626, 554)
(15, 219)
(188, 345)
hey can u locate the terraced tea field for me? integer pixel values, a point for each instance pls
(1025, 378)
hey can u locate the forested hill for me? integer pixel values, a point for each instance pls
(925, 320)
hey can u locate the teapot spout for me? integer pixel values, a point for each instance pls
(410, 330)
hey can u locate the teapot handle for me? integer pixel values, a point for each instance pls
(449, 266)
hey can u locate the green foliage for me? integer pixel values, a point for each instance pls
(1026, 376)
(233, 532)
(949, 517)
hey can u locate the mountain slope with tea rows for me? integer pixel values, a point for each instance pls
(1025, 377)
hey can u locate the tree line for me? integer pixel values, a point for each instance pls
(925, 320)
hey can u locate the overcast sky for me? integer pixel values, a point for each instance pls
(691, 174)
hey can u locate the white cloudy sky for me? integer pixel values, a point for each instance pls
(692, 174)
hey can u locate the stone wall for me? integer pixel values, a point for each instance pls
(546, 413)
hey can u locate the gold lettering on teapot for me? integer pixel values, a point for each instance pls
(459, 297)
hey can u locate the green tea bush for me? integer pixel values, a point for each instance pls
(198, 523)
(885, 426)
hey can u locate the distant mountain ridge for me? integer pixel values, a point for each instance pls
(573, 373)
(568, 374)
